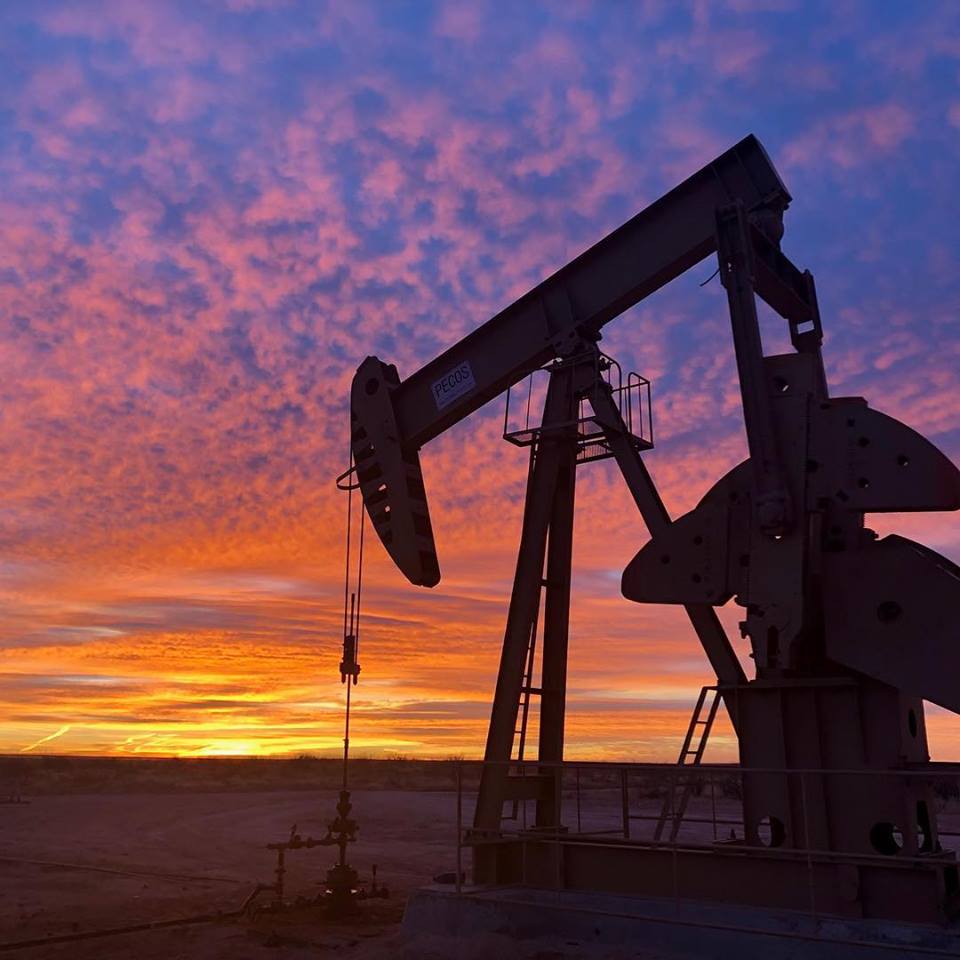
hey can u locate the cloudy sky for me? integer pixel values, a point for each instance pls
(211, 212)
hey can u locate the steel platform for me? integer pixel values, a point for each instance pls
(673, 927)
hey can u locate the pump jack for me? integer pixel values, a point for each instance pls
(849, 633)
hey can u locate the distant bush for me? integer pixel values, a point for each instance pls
(37, 775)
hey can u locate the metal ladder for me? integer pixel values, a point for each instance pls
(681, 787)
(528, 689)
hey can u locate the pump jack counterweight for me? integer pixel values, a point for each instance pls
(848, 633)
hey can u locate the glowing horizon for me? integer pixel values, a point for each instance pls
(214, 212)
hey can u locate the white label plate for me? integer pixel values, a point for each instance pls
(453, 385)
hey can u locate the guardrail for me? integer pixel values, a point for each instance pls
(619, 802)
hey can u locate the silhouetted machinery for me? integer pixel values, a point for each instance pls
(849, 633)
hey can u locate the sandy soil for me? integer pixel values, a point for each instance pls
(75, 862)
(111, 860)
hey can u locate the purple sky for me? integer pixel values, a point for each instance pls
(212, 211)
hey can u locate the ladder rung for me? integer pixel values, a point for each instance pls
(675, 802)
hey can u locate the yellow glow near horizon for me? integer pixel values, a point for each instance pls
(200, 244)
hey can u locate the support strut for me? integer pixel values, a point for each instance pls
(547, 538)
(706, 624)
(548, 510)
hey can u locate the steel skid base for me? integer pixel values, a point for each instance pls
(671, 927)
(818, 884)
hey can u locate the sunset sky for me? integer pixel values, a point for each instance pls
(212, 212)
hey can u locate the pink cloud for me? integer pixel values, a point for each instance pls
(851, 139)
(464, 22)
(193, 266)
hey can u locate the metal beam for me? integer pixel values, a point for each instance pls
(657, 245)
(393, 419)
(738, 273)
(556, 622)
(537, 513)
(706, 624)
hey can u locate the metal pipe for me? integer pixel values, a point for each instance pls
(459, 825)
(115, 931)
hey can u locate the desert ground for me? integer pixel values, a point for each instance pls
(99, 844)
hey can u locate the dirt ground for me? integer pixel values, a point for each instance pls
(73, 862)
(87, 862)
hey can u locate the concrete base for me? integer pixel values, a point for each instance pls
(684, 928)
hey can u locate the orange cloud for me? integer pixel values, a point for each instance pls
(211, 218)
